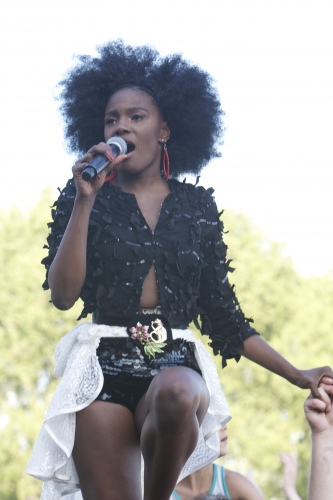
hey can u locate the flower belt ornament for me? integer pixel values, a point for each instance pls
(151, 337)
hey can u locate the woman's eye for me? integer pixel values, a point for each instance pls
(137, 117)
(110, 121)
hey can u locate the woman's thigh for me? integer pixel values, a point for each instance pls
(107, 453)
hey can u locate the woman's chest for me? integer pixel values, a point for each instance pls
(126, 235)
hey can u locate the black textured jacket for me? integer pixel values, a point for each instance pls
(186, 248)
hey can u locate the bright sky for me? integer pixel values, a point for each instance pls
(272, 61)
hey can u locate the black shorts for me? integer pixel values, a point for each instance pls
(127, 374)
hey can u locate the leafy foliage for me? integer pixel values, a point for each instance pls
(29, 330)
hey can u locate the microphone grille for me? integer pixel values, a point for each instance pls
(119, 142)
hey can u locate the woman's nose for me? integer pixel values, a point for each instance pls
(122, 126)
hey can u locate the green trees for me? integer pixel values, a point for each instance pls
(29, 329)
(293, 313)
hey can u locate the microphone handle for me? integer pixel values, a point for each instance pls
(95, 167)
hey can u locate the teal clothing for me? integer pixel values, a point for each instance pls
(218, 486)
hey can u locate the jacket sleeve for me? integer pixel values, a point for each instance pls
(220, 312)
(61, 212)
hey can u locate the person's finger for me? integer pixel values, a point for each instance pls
(325, 398)
(118, 160)
(101, 148)
(315, 394)
(327, 380)
(327, 388)
(82, 162)
(314, 405)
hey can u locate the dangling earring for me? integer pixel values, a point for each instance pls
(166, 163)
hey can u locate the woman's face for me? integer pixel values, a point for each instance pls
(223, 435)
(133, 115)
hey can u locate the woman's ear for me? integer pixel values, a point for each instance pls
(165, 132)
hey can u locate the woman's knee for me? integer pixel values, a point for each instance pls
(177, 394)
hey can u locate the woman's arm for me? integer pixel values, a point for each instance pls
(221, 315)
(229, 330)
(68, 270)
(257, 350)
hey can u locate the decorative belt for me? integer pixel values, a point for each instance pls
(149, 330)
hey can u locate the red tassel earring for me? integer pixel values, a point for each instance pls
(166, 163)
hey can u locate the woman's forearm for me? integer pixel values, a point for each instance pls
(68, 270)
(321, 467)
(257, 350)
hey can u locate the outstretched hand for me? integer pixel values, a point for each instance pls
(289, 475)
(311, 379)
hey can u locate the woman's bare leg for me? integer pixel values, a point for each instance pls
(169, 416)
(107, 453)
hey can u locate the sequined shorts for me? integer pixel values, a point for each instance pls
(127, 374)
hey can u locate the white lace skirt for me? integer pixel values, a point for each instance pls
(82, 380)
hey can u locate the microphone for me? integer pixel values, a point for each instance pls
(99, 162)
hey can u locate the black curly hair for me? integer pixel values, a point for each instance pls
(183, 92)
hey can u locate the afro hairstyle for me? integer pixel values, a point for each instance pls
(184, 94)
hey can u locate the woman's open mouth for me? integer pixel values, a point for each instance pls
(130, 147)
